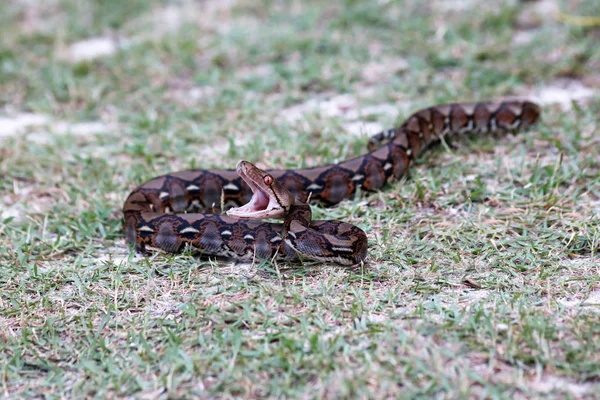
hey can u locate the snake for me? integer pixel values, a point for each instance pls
(184, 209)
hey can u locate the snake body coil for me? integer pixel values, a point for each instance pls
(179, 209)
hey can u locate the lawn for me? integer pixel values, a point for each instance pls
(483, 274)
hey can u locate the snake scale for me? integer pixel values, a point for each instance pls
(183, 208)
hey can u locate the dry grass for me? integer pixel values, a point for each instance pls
(483, 272)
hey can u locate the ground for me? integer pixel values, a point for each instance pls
(483, 271)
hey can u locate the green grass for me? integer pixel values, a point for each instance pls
(483, 271)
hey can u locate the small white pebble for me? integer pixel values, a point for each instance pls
(501, 327)
(90, 49)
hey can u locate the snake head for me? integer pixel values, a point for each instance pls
(270, 199)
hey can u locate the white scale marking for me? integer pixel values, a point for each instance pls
(493, 125)
(314, 186)
(163, 195)
(467, 128)
(231, 186)
(357, 177)
(189, 229)
(146, 228)
(249, 237)
(341, 249)
(387, 166)
(515, 124)
(192, 187)
(226, 233)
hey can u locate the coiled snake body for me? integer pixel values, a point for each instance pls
(179, 209)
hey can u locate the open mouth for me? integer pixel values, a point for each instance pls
(262, 204)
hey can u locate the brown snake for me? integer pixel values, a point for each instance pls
(163, 213)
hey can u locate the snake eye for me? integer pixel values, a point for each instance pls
(268, 179)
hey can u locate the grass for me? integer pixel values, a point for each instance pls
(483, 273)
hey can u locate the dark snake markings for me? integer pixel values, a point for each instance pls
(179, 209)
